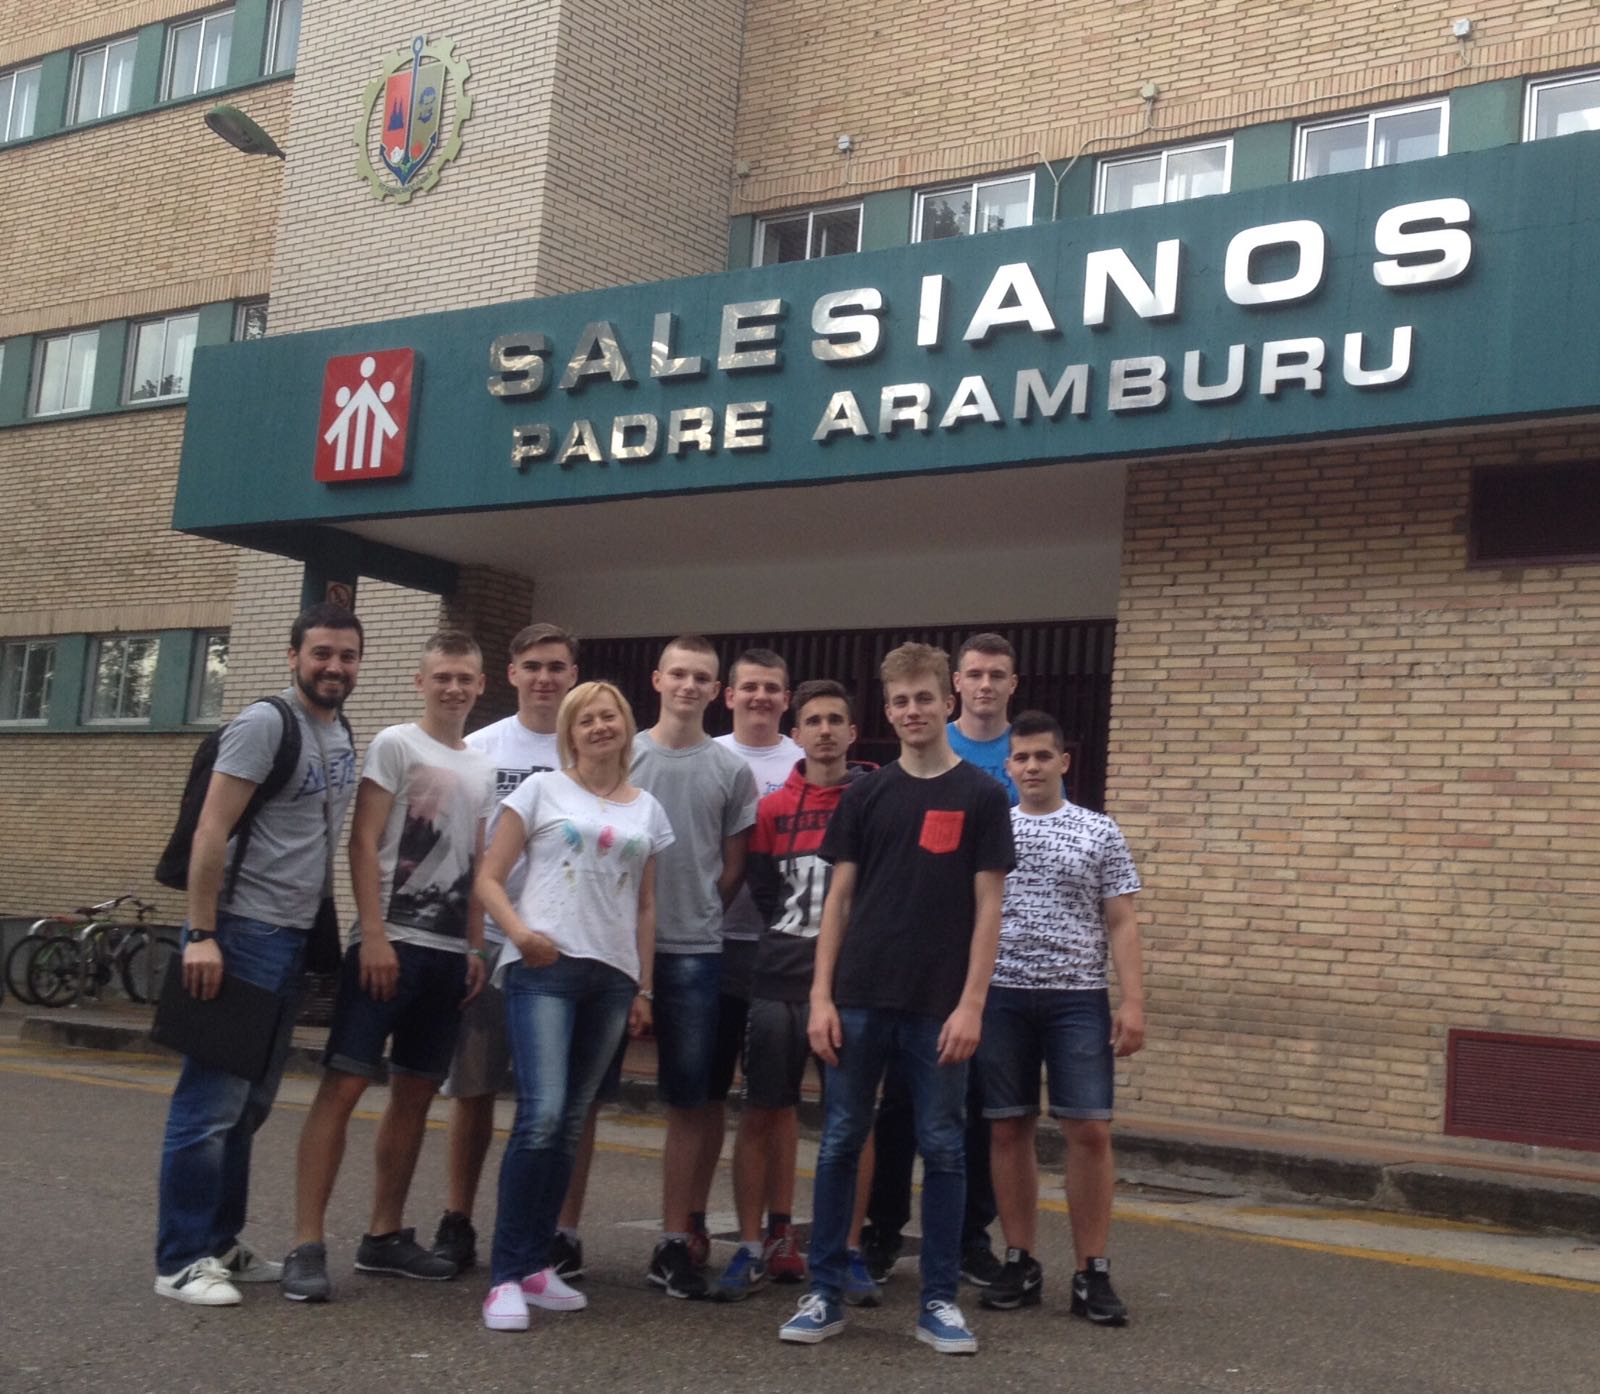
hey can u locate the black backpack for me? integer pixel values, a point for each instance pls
(173, 868)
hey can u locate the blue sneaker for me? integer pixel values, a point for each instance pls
(943, 1327)
(817, 1319)
(859, 1289)
(744, 1273)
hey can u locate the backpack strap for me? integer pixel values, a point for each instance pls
(284, 759)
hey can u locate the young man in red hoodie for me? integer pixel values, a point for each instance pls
(788, 882)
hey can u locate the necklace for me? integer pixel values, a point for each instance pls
(599, 797)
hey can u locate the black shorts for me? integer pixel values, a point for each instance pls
(775, 1053)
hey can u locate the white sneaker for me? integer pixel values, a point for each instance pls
(505, 1308)
(203, 1283)
(547, 1289)
(245, 1265)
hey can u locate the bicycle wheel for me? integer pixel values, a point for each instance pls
(17, 962)
(53, 972)
(142, 974)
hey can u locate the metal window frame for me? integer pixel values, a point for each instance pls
(810, 215)
(28, 645)
(1538, 86)
(974, 185)
(170, 58)
(1439, 104)
(130, 367)
(241, 308)
(269, 69)
(1164, 153)
(11, 101)
(197, 671)
(97, 643)
(40, 353)
(74, 89)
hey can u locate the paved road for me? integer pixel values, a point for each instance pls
(1228, 1294)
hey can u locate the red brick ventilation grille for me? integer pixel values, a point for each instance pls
(1536, 1089)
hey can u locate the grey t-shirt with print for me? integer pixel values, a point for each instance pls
(285, 867)
(709, 794)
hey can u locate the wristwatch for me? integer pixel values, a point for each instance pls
(645, 993)
(200, 936)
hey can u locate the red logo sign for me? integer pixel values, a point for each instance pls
(366, 411)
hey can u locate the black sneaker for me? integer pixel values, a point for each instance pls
(456, 1240)
(1093, 1297)
(305, 1274)
(880, 1250)
(1020, 1284)
(672, 1269)
(979, 1266)
(566, 1257)
(400, 1256)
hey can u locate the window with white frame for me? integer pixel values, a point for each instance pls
(250, 320)
(124, 673)
(163, 351)
(985, 205)
(26, 669)
(19, 102)
(1562, 107)
(283, 36)
(64, 380)
(817, 232)
(102, 80)
(1393, 136)
(1164, 176)
(197, 55)
(209, 676)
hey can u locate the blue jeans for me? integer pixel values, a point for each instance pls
(872, 1039)
(565, 1022)
(213, 1117)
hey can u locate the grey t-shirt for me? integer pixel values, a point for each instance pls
(285, 867)
(709, 794)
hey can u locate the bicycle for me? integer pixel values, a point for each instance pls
(70, 964)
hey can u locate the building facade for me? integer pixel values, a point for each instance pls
(830, 324)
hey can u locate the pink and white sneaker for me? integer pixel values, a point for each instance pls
(548, 1290)
(505, 1308)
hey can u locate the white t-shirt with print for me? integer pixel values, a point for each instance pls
(516, 752)
(1053, 919)
(771, 766)
(426, 856)
(584, 857)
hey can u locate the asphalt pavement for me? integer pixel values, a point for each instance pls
(1229, 1292)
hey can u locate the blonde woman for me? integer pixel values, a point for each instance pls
(580, 941)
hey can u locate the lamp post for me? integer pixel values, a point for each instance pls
(241, 132)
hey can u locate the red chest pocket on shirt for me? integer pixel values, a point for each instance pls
(941, 830)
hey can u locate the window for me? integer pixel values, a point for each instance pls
(250, 320)
(283, 38)
(1391, 137)
(818, 232)
(1164, 176)
(1559, 108)
(26, 667)
(1534, 515)
(124, 668)
(210, 673)
(66, 373)
(163, 350)
(102, 80)
(197, 55)
(19, 102)
(986, 206)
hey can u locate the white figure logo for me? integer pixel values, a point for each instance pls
(364, 413)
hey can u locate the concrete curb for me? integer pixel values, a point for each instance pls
(1515, 1199)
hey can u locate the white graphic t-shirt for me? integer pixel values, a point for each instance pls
(426, 854)
(516, 752)
(771, 765)
(1053, 922)
(584, 858)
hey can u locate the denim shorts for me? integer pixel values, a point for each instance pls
(423, 1016)
(686, 988)
(1065, 1031)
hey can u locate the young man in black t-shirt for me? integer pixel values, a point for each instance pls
(909, 930)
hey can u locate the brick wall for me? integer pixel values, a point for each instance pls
(931, 92)
(34, 27)
(1362, 781)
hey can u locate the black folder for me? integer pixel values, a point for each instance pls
(234, 1031)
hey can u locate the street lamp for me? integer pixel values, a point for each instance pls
(241, 132)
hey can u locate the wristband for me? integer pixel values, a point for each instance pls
(201, 936)
(481, 953)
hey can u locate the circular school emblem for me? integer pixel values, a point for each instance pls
(411, 119)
